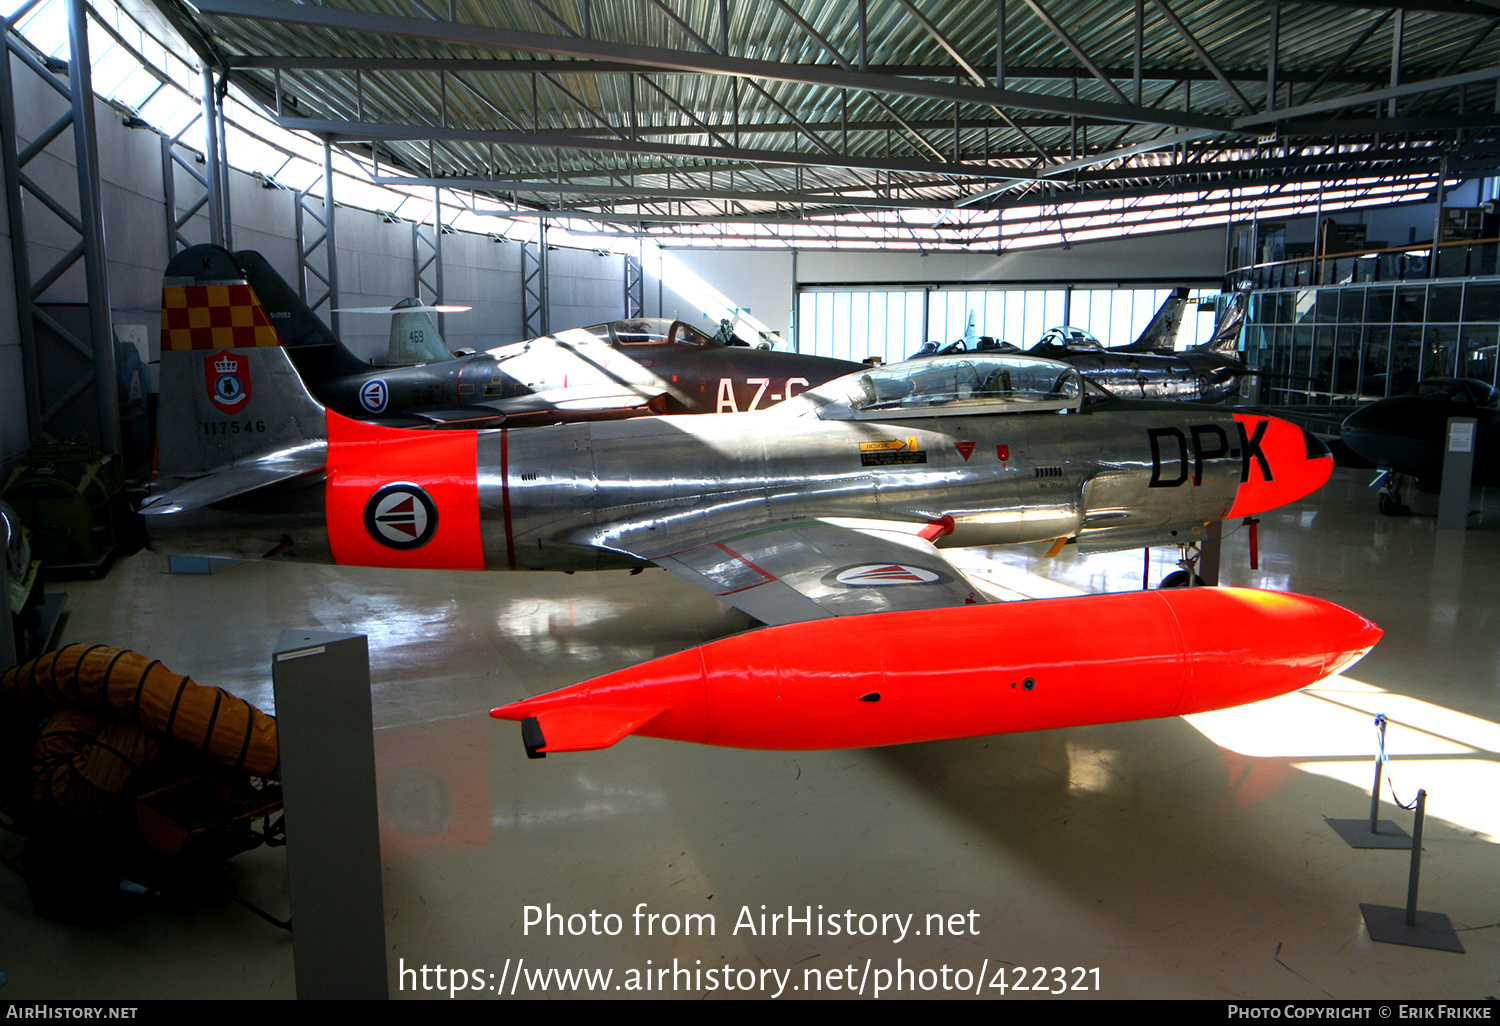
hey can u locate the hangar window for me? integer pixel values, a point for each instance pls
(855, 324)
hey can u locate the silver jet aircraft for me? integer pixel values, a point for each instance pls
(836, 502)
(1149, 368)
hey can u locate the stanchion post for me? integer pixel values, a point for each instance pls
(1416, 859)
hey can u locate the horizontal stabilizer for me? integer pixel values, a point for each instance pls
(241, 478)
(578, 728)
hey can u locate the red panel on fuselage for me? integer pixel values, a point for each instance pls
(1283, 449)
(402, 498)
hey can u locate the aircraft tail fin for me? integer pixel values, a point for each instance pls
(295, 322)
(232, 405)
(1226, 337)
(1161, 333)
(315, 350)
(583, 729)
(414, 338)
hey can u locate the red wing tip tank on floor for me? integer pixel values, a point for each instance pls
(893, 678)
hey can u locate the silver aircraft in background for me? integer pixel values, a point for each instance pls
(1150, 368)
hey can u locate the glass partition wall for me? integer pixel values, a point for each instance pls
(1345, 343)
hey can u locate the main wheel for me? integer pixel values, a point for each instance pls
(1181, 579)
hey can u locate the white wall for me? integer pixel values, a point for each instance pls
(485, 275)
(753, 280)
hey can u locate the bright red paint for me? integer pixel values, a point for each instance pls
(1294, 471)
(961, 672)
(363, 458)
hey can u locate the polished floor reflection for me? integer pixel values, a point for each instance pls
(1159, 859)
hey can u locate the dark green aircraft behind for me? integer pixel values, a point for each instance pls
(1406, 436)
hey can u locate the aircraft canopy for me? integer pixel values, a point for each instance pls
(1464, 391)
(1071, 339)
(951, 386)
(654, 331)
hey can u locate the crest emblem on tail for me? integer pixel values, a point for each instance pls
(228, 377)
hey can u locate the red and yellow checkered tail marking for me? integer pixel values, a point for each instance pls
(222, 316)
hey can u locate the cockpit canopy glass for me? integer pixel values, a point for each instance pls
(1464, 391)
(951, 386)
(656, 331)
(1071, 339)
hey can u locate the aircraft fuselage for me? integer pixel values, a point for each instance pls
(518, 380)
(1194, 377)
(596, 495)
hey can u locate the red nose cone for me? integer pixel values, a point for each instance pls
(1252, 645)
(1280, 464)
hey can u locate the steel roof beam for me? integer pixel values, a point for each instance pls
(360, 131)
(643, 194)
(460, 34)
(1369, 96)
(1197, 47)
(699, 127)
(503, 66)
(1077, 51)
(1468, 7)
(844, 63)
(1364, 36)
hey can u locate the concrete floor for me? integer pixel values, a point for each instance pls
(1157, 859)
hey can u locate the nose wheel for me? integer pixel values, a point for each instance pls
(1390, 503)
(1187, 574)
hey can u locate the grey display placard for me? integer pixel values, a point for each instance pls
(1458, 474)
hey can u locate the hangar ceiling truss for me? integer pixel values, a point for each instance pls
(894, 121)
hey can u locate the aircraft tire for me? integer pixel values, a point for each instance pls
(1181, 579)
(1392, 507)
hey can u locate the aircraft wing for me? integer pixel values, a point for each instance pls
(812, 569)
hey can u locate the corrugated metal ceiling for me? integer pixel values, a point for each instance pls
(657, 114)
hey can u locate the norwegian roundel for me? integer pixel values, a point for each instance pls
(401, 516)
(883, 574)
(373, 395)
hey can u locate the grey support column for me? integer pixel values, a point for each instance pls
(325, 729)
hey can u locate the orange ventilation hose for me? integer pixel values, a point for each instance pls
(126, 685)
(82, 761)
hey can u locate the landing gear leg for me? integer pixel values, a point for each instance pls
(1390, 497)
(1187, 576)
